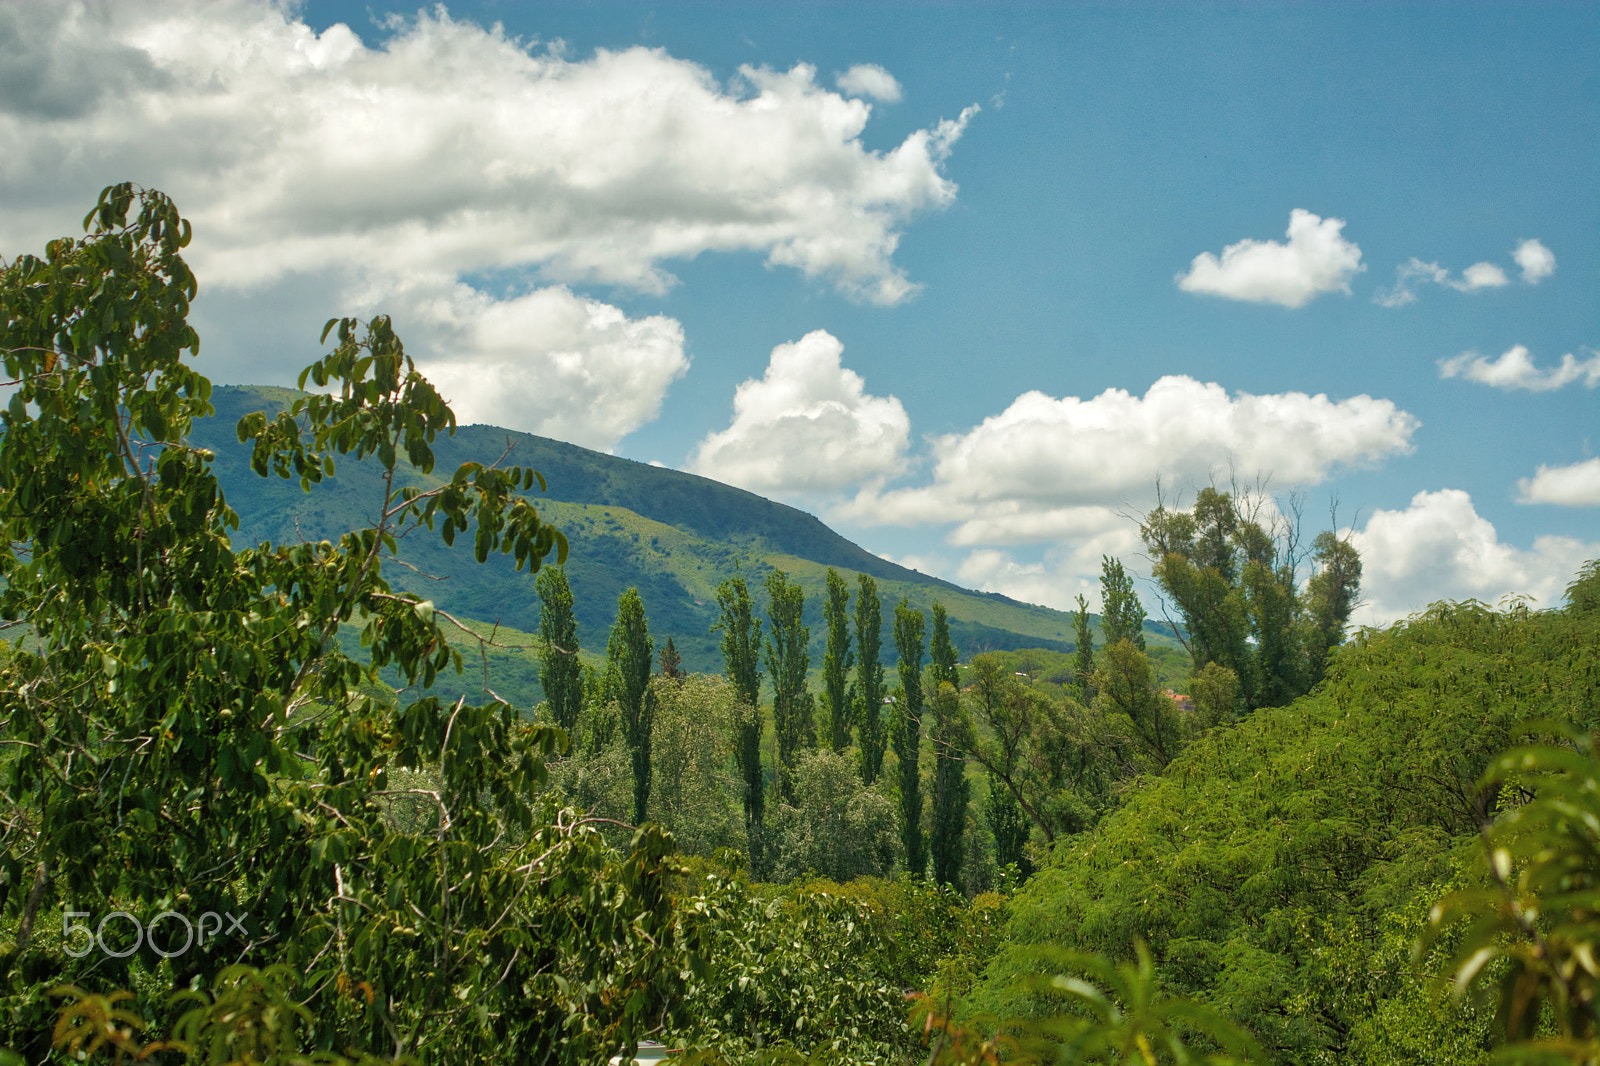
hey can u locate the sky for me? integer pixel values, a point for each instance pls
(978, 284)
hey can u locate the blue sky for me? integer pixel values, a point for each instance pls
(918, 243)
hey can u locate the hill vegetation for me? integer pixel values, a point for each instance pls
(674, 536)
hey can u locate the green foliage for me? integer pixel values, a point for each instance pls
(838, 827)
(1042, 753)
(560, 670)
(1127, 696)
(869, 678)
(697, 789)
(185, 732)
(1237, 590)
(741, 653)
(837, 661)
(788, 661)
(952, 792)
(630, 655)
(908, 632)
(1336, 811)
(1121, 613)
(806, 973)
(942, 652)
(1539, 919)
(1083, 657)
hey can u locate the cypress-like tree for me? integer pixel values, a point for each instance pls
(741, 657)
(1083, 661)
(942, 651)
(671, 662)
(869, 678)
(630, 656)
(837, 660)
(560, 671)
(951, 788)
(788, 661)
(1121, 613)
(909, 627)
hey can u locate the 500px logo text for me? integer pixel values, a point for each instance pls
(209, 925)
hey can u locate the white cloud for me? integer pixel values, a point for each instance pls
(869, 79)
(1515, 369)
(1439, 547)
(1406, 277)
(1317, 259)
(1481, 276)
(1036, 467)
(550, 362)
(1537, 261)
(807, 426)
(1066, 571)
(454, 147)
(1577, 485)
(326, 177)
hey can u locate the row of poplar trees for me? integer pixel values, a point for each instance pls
(857, 703)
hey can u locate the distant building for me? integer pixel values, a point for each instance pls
(1184, 703)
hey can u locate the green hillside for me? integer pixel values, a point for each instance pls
(673, 535)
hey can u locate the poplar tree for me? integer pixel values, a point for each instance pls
(560, 671)
(1121, 613)
(630, 654)
(869, 678)
(837, 660)
(909, 627)
(951, 790)
(1083, 660)
(741, 657)
(788, 661)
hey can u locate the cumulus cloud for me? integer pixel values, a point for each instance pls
(1481, 276)
(1038, 465)
(869, 79)
(454, 147)
(1537, 261)
(550, 361)
(807, 426)
(1316, 259)
(1515, 369)
(324, 176)
(1439, 547)
(1577, 485)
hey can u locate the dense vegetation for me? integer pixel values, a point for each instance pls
(1056, 855)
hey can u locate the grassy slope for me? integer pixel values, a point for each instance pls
(675, 536)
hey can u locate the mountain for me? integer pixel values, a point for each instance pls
(673, 535)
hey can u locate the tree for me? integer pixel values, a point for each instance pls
(941, 651)
(1121, 613)
(1083, 657)
(869, 678)
(630, 653)
(788, 661)
(951, 790)
(560, 670)
(1235, 585)
(837, 660)
(185, 732)
(741, 656)
(908, 631)
(671, 662)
